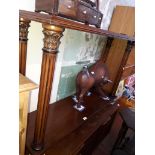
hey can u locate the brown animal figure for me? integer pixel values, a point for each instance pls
(95, 76)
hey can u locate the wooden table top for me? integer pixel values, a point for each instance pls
(66, 128)
(26, 84)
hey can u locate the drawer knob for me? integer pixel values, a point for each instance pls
(84, 12)
(69, 6)
(84, 118)
(94, 16)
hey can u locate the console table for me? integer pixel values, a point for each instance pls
(53, 28)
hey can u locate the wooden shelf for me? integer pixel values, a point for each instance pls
(70, 24)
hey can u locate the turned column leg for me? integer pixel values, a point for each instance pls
(130, 44)
(106, 52)
(23, 33)
(52, 35)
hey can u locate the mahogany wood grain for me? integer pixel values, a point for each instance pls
(66, 23)
(66, 131)
(52, 35)
(23, 33)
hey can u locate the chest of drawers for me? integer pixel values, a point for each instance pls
(78, 10)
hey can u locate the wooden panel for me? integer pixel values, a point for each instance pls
(23, 120)
(106, 146)
(114, 60)
(98, 136)
(126, 17)
(25, 84)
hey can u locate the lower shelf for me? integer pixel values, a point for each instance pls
(68, 130)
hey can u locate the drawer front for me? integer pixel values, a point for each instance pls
(67, 8)
(79, 11)
(83, 13)
(89, 15)
(100, 16)
(93, 17)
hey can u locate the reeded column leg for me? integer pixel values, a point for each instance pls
(52, 35)
(23, 33)
(130, 44)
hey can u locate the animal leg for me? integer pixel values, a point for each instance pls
(76, 96)
(80, 99)
(78, 90)
(101, 92)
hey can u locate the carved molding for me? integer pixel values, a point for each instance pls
(52, 35)
(23, 29)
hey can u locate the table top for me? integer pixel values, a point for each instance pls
(66, 128)
(26, 84)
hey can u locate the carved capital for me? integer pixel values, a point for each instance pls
(130, 44)
(52, 35)
(23, 29)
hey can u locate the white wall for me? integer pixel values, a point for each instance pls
(34, 58)
(35, 44)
